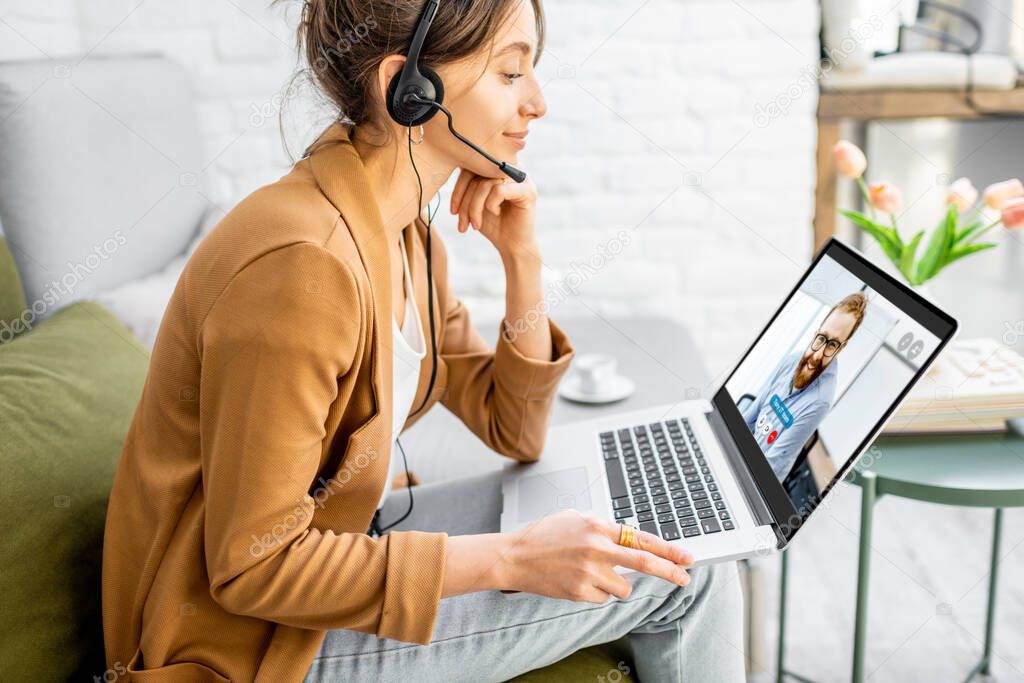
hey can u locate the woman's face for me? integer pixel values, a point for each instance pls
(493, 110)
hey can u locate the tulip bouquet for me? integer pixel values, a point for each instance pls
(957, 234)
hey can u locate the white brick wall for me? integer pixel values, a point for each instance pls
(651, 128)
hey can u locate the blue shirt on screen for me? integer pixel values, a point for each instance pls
(781, 419)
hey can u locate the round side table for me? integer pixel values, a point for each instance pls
(983, 470)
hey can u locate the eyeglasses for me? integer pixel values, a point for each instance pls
(831, 345)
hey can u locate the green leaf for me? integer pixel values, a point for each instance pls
(967, 232)
(966, 249)
(907, 260)
(886, 237)
(938, 247)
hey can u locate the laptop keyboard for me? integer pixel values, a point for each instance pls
(658, 476)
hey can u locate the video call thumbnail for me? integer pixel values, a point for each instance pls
(822, 376)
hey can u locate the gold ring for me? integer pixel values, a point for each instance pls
(627, 535)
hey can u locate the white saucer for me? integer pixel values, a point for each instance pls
(615, 389)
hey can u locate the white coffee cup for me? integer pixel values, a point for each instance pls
(594, 371)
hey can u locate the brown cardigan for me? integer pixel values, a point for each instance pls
(235, 533)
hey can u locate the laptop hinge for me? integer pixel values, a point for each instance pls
(750, 490)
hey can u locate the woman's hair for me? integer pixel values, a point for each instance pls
(344, 41)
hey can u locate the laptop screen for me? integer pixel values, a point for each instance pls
(835, 360)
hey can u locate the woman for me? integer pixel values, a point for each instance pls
(236, 545)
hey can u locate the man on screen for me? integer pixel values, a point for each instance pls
(799, 392)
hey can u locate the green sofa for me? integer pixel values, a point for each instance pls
(68, 389)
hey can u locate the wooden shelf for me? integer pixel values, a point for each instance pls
(912, 104)
(835, 107)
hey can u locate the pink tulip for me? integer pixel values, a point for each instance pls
(886, 197)
(962, 193)
(998, 194)
(1012, 214)
(850, 161)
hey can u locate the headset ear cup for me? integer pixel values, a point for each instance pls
(425, 113)
(422, 113)
(438, 86)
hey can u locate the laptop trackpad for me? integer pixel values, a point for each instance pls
(550, 492)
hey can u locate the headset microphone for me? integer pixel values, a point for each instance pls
(506, 168)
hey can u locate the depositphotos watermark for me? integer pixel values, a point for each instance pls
(571, 283)
(63, 287)
(811, 76)
(260, 114)
(320, 495)
(868, 459)
(766, 542)
(351, 36)
(615, 675)
(111, 674)
(1014, 332)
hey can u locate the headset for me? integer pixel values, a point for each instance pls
(415, 95)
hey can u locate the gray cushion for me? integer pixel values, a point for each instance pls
(101, 171)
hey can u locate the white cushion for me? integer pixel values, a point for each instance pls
(926, 71)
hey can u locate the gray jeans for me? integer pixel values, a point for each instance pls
(689, 633)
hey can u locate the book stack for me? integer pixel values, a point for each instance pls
(974, 386)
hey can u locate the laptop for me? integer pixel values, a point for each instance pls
(739, 474)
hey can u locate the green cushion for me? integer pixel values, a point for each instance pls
(611, 662)
(68, 390)
(12, 297)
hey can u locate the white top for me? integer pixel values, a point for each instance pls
(409, 348)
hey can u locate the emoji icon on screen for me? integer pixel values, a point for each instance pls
(774, 435)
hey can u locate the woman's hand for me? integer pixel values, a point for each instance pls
(572, 556)
(501, 211)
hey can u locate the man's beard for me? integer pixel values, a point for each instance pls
(801, 370)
